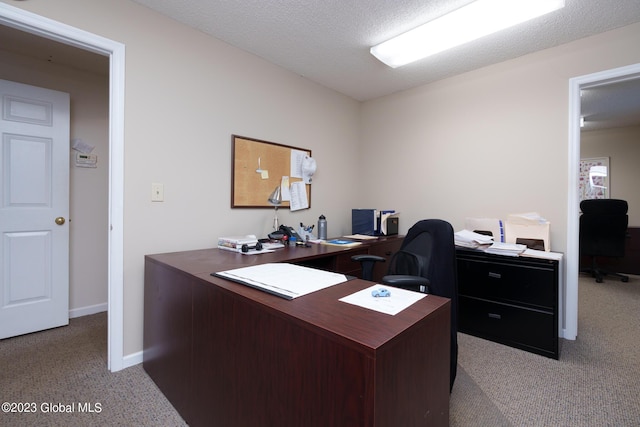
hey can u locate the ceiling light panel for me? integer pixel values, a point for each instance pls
(475, 20)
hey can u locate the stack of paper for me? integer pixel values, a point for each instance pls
(234, 243)
(288, 281)
(532, 253)
(361, 237)
(470, 239)
(493, 225)
(509, 249)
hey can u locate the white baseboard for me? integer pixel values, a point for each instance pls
(87, 311)
(126, 361)
(132, 359)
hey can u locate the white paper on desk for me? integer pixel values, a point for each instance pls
(299, 198)
(361, 237)
(494, 225)
(393, 304)
(532, 253)
(286, 280)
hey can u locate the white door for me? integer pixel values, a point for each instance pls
(34, 209)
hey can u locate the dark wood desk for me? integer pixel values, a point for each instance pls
(334, 258)
(225, 354)
(629, 264)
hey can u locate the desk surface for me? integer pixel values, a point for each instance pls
(213, 260)
(328, 360)
(322, 309)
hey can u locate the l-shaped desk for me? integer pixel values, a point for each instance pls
(225, 354)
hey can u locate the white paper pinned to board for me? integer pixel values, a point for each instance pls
(299, 199)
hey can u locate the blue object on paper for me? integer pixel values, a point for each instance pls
(382, 292)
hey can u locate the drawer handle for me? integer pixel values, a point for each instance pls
(495, 316)
(495, 275)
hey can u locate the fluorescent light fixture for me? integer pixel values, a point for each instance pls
(470, 22)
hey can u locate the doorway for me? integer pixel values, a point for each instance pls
(49, 29)
(576, 84)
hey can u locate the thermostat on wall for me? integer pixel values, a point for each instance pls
(86, 160)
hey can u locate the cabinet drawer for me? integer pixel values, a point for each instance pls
(385, 250)
(344, 263)
(529, 284)
(520, 327)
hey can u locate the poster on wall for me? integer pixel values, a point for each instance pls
(594, 178)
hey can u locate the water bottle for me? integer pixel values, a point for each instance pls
(322, 228)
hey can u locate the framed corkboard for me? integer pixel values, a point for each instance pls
(257, 169)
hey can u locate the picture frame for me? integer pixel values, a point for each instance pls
(594, 178)
(258, 167)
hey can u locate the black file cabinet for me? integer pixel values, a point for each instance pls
(509, 300)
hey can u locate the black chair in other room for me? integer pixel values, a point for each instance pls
(426, 262)
(603, 232)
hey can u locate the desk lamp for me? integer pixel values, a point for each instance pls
(275, 199)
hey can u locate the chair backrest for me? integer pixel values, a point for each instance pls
(409, 263)
(432, 241)
(603, 227)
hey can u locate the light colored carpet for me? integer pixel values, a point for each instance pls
(596, 382)
(68, 366)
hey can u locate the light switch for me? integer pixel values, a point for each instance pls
(157, 192)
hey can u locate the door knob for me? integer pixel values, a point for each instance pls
(60, 220)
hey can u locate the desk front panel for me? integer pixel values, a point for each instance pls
(167, 332)
(227, 354)
(315, 361)
(254, 367)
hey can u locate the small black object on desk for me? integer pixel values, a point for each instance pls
(257, 247)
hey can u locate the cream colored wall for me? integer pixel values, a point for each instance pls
(622, 146)
(186, 94)
(88, 187)
(486, 143)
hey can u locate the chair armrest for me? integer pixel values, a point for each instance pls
(367, 263)
(414, 283)
(367, 257)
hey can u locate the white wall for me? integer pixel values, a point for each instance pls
(88, 187)
(186, 94)
(622, 146)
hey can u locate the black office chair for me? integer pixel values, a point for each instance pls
(603, 232)
(426, 262)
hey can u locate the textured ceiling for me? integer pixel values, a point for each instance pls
(612, 105)
(328, 41)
